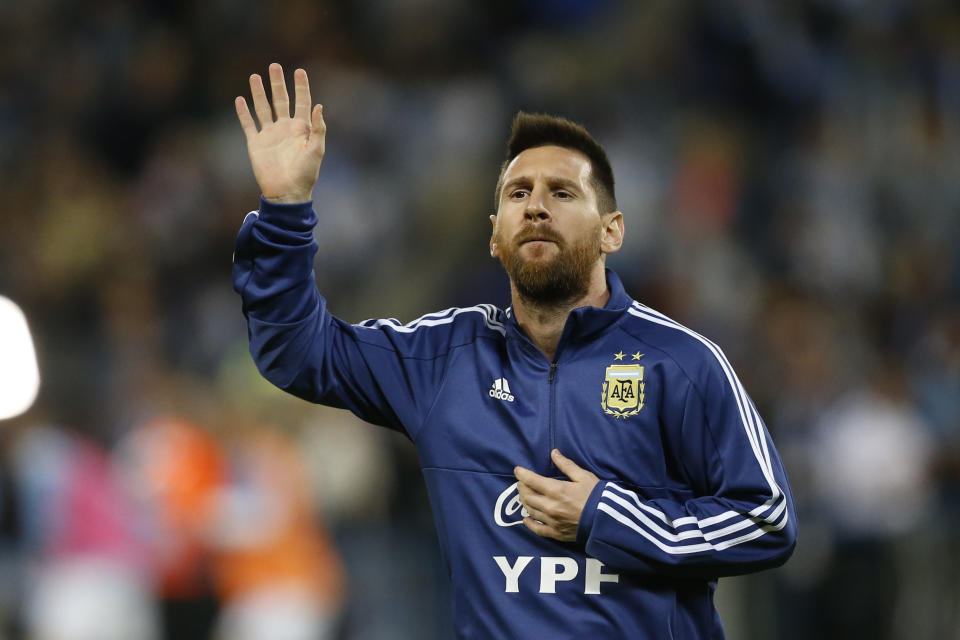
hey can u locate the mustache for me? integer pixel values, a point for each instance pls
(538, 233)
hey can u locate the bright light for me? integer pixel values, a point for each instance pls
(19, 375)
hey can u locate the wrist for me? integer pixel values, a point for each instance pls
(588, 515)
(297, 216)
(289, 198)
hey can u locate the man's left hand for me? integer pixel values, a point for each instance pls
(555, 506)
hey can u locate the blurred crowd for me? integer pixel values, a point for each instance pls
(788, 174)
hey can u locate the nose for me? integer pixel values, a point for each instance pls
(535, 209)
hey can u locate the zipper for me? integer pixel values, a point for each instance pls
(553, 416)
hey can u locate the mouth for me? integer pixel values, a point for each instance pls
(540, 240)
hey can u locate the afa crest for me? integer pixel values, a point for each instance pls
(623, 388)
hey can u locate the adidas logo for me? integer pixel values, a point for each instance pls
(501, 390)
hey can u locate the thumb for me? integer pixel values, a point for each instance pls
(318, 130)
(568, 466)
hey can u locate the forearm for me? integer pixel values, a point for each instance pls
(705, 537)
(273, 273)
(273, 263)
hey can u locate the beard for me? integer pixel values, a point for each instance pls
(556, 280)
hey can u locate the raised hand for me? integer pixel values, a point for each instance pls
(286, 152)
(555, 506)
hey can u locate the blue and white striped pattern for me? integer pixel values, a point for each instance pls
(690, 534)
(488, 311)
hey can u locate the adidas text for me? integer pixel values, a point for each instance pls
(501, 390)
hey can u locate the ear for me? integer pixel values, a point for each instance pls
(611, 232)
(493, 235)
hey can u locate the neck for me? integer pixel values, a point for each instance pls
(543, 323)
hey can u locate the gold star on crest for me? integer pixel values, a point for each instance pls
(637, 355)
(619, 356)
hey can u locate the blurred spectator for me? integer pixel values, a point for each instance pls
(174, 470)
(276, 571)
(871, 461)
(89, 577)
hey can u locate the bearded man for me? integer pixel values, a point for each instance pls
(593, 466)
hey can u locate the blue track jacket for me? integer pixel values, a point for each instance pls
(691, 487)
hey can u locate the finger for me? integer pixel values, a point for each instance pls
(541, 529)
(318, 131)
(260, 104)
(539, 515)
(301, 95)
(567, 466)
(535, 481)
(530, 497)
(246, 120)
(278, 88)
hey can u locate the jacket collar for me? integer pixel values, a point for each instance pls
(584, 322)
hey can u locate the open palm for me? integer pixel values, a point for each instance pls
(286, 152)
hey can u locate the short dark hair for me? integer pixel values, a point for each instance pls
(540, 130)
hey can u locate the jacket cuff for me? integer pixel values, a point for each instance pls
(589, 513)
(293, 217)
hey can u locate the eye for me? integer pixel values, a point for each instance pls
(518, 194)
(564, 195)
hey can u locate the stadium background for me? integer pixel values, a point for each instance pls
(789, 178)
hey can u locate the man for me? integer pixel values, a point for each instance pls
(622, 441)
